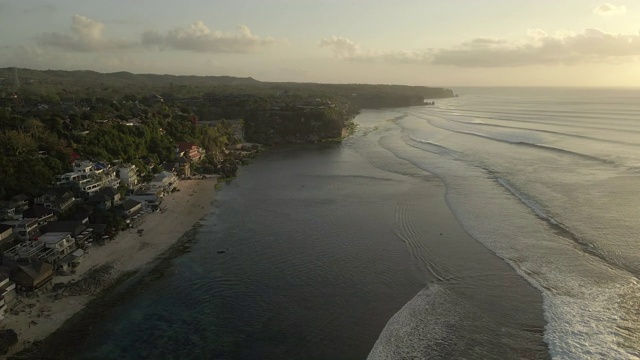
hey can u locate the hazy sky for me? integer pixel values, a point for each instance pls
(417, 42)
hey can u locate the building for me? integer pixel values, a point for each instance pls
(79, 232)
(165, 180)
(57, 199)
(88, 178)
(24, 229)
(60, 242)
(190, 150)
(105, 199)
(150, 202)
(127, 173)
(6, 233)
(71, 260)
(7, 236)
(24, 253)
(7, 294)
(12, 209)
(42, 214)
(85, 167)
(21, 202)
(33, 276)
(130, 208)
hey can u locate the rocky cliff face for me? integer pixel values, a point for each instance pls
(387, 100)
(302, 125)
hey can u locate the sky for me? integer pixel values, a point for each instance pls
(413, 42)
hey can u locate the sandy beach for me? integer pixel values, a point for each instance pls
(127, 252)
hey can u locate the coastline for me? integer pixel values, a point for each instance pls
(123, 256)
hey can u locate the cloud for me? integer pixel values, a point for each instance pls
(538, 48)
(12, 9)
(346, 49)
(199, 38)
(342, 48)
(592, 46)
(86, 36)
(607, 9)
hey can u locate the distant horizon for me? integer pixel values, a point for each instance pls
(490, 43)
(621, 87)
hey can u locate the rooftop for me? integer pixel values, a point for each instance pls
(53, 237)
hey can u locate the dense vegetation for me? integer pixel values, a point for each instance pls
(37, 145)
(49, 118)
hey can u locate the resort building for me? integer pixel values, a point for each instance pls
(165, 180)
(24, 229)
(128, 176)
(24, 253)
(88, 178)
(57, 199)
(60, 242)
(190, 151)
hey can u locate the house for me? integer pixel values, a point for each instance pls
(164, 180)
(7, 210)
(106, 198)
(24, 229)
(24, 253)
(11, 209)
(89, 187)
(6, 234)
(42, 214)
(130, 208)
(72, 227)
(78, 231)
(60, 242)
(70, 178)
(7, 294)
(83, 166)
(190, 150)
(33, 276)
(71, 260)
(150, 202)
(20, 202)
(180, 166)
(112, 193)
(128, 175)
(58, 199)
(88, 178)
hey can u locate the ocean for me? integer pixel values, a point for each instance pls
(503, 223)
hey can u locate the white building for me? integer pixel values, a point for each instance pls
(88, 178)
(128, 175)
(165, 180)
(60, 242)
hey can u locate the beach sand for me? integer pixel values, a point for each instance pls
(127, 252)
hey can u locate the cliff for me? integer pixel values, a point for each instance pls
(302, 125)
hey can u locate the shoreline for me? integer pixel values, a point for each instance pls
(117, 261)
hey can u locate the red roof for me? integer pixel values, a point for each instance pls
(184, 146)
